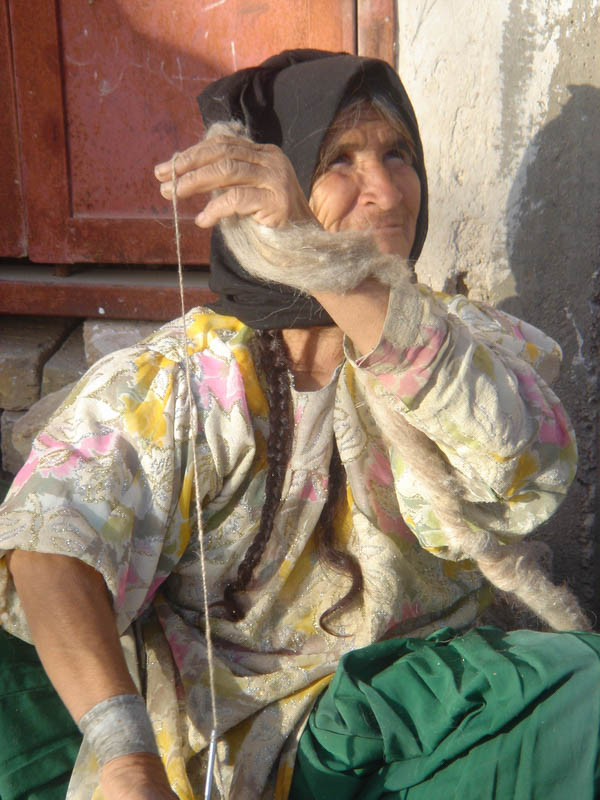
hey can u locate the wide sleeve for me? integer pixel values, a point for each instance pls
(109, 481)
(474, 381)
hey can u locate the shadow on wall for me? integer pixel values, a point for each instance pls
(553, 211)
(554, 251)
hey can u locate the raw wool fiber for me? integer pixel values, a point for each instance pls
(512, 568)
(303, 255)
(310, 259)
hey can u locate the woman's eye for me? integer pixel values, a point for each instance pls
(339, 159)
(401, 154)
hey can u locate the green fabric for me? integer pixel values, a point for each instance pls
(4, 487)
(485, 715)
(38, 739)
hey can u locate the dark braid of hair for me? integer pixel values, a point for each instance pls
(340, 561)
(273, 360)
(274, 364)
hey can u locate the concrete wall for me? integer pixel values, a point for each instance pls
(507, 93)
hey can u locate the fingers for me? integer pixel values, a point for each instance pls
(193, 156)
(242, 200)
(217, 174)
(254, 179)
(215, 150)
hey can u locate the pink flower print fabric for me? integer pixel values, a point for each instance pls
(110, 482)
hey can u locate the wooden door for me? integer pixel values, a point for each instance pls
(107, 88)
(12, 212)
(103, 89)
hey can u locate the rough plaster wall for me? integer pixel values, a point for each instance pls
(508, 97)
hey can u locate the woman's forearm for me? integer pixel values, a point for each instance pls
(72, 623)
(360, 312)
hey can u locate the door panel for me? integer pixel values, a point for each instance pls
(107, 88)
(12, 218)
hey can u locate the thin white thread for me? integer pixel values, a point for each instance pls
(193, 428)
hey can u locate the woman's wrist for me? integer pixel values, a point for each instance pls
(118, 726)
(360, 313)
(138, 776)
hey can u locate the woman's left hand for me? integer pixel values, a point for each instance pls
(255, 180)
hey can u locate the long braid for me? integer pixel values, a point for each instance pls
(512, 568)
(272, 358)
(327, 550)
(273, 361)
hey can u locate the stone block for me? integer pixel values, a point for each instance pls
(25, 345)
(101, 336)
(67, 365)
(12, 460)
(26, 427)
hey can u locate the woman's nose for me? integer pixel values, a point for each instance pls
(378, 187)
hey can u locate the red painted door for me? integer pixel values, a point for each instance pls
(105, 88)
(12, 213)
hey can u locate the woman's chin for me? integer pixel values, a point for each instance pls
(392, 241)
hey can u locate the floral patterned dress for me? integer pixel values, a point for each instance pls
(109, 481)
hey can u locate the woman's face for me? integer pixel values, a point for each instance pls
(368, 183)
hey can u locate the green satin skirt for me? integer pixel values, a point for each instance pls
(39, 741)
(482, 715)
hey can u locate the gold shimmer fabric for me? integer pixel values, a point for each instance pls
(109, 481)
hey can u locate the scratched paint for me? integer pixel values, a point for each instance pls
(123, 98)
(132, 72)
(214, 5)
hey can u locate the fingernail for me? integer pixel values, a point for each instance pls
(166, 188)
(162, 169)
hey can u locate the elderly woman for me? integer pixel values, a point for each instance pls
(366, 451)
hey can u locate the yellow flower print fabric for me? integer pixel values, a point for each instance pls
(110, 481)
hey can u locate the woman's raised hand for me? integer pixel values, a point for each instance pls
(252, 179)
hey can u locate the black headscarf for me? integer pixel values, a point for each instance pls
(291, 100)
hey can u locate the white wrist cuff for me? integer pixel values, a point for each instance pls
(118, 726)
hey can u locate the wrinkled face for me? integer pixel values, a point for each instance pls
(368, 183)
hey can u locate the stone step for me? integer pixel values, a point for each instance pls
(26, 343)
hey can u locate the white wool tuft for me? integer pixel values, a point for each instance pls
(304, 256)
(511, 568)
